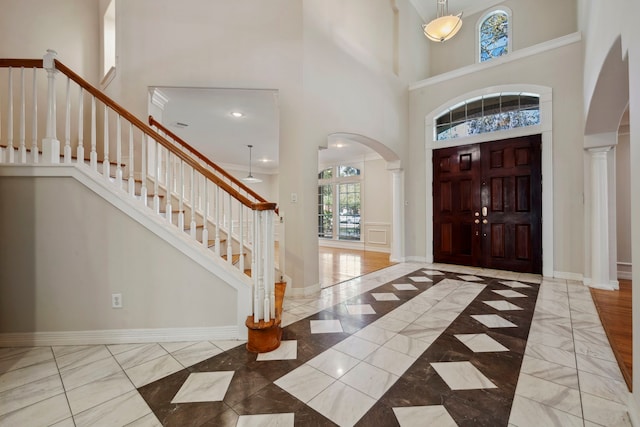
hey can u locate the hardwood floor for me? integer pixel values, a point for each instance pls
(338, 265)
(614, 308)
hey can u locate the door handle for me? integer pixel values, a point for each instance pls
(484, 211)
(477, 221)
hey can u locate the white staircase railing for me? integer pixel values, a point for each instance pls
(142, 163)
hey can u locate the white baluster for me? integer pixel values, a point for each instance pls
(205, 232)
(143, 169)
(230, 232)
(119, 152)
(23, 101)
(106, 166)
(254, 276)
(132, 181)
(93, 156)
(241, 237)
(181, 196)
(262, 269)
(156, 184)
(34, 119)
(80, 147)
(269, 265)
(192, 225)
(50, 143)
(10, 151)
(67, 125)
(217, 217)
(167, 205)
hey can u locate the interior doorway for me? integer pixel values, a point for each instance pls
(487, 205)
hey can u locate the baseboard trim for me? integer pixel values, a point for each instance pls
(419, 259)
(613, 285)
(634, 411)
(118, 336)
(624, 270)
(568, 276)
(303, 292)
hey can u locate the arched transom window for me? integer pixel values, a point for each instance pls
(494, 35)
(489, 113)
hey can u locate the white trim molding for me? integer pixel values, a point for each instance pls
(514, 56)
(545, 128)
(625, 270)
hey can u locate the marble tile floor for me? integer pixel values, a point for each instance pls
(410, 345)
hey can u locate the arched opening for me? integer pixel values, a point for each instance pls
(608, 188)
(359, 225)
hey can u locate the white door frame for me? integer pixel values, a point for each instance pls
(545, 128)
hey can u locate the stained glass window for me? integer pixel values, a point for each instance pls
(490, 113)
(494, 35)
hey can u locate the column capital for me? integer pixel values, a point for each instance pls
(596, 150)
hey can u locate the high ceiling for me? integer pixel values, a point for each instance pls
(428, 8)
(202, 116)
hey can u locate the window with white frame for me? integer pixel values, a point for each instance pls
(109, 43)
(494, 34)
(339, 202)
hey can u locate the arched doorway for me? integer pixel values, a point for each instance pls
(607, 191)
(359, 213)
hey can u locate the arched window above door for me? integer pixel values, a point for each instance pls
(488, 113)
(494, 34)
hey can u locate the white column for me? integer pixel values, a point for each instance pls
(397, 233)
(50, 144)
(600, 274)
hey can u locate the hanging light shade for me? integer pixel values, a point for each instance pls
(250, 178)
(444, 26)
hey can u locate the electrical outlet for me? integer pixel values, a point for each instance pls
(116, 300)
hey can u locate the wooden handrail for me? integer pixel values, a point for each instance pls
(154, 122)
(146, 129)
(26, 63)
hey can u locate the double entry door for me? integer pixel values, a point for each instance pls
(487, 205)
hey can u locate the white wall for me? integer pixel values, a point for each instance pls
(66, 250)
(29, 27)
(533, 22)
(623, 202)
(377, 206)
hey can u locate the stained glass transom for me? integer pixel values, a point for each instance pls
(489, 113)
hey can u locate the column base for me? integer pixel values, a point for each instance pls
(266, 336)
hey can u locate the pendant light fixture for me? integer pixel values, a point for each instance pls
(444, 26)
(250, 178)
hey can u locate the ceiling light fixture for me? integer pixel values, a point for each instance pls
(444, 26)
(250, 178)
(237, 114)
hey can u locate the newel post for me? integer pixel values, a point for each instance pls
(50, 144)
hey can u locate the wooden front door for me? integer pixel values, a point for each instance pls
(487, 205)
